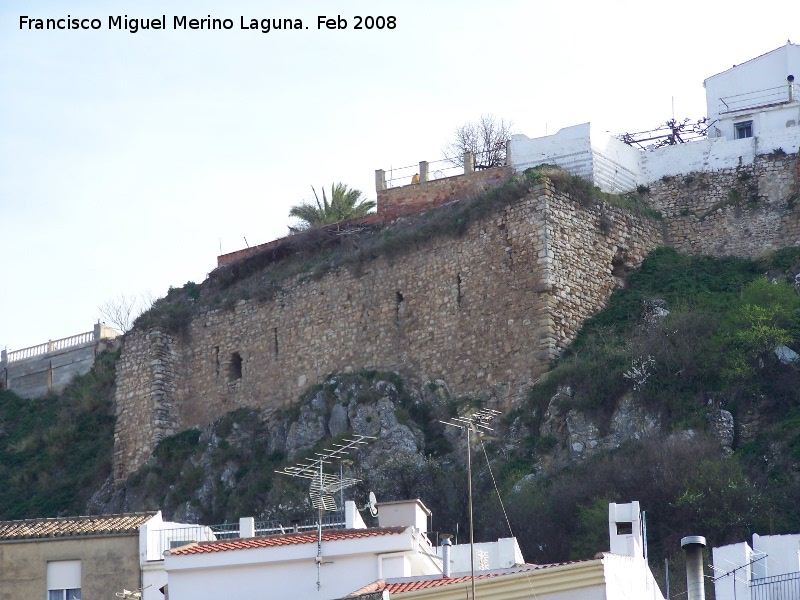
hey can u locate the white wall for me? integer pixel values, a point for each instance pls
(502, 554)
(726, 559)
(290, 571)
(616, 167)
(570, 148)
(629, 578)
(783, 553)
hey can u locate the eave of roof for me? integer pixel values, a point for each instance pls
(542, 579)
(290, 539)
(64, 527)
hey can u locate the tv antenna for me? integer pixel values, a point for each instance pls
(476, 422)
(323, 485)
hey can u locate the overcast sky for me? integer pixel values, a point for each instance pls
(128, 161)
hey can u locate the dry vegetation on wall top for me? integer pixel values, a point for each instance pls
(314, 252)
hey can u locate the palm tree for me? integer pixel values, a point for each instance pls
(345, 204)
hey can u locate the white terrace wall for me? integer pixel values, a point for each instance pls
(616, 167)
(36, 371)
(612, 165)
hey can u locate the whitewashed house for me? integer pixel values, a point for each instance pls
(621, 574)
(755, 97)
(752, 109)
(767, 570)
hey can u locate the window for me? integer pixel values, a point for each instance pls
(64, 580)
(74, 594)
(235, 367)
(743, 130)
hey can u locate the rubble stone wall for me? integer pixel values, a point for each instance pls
(484, 312)
(745, 211)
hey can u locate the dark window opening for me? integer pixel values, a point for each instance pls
(743, 130)
(458, 290)
(235, 371)
(624, 528)
(275, 333)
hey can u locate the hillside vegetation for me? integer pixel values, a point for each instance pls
(56, 451)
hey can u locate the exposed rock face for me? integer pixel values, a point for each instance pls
(584, 435)
(721, 426)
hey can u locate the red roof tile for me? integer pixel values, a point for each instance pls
(290, 539)
(73, 526)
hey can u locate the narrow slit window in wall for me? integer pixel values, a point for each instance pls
(275, 333)
(235, 370)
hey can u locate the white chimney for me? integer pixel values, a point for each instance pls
(625, 531)
(693, 546)
(404, 513)
(446, 543)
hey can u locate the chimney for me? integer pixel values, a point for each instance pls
(693, 546)
(790, 81)
(446, 543)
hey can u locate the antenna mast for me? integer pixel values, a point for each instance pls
(474, 422)
(324, 485)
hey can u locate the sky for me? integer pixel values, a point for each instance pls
(129, 161)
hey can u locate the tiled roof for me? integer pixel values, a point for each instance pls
(423, 584)
(73, 526)
(290, 539)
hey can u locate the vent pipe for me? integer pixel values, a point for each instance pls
(446, 543)
(693, 546)
(790, 80)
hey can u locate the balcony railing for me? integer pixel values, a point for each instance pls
(777, 587)
(51, 346)
(759, 99)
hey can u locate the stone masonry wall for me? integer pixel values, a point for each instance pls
(746, 211)
(419, 197)
(485, 312)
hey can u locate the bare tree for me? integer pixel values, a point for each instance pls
(122, 311)
(486, 138)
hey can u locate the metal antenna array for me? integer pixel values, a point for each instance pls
(476, 422)
(325, 485)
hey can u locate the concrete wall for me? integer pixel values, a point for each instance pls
(36, 371)
(485, 312)
(108, 564)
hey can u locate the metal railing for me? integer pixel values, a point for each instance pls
(762, 98)
(777, 587)
(51, 346)
(168, 539)
(330, 521)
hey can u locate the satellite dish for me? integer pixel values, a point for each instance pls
(438, 174)
(373, 505)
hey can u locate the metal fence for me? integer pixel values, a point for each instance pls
(777, 587)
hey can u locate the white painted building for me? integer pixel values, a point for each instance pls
(622, 574)
(753, 109)
(299, 566)
(770, 568)
(756, 96)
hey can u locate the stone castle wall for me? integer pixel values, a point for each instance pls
(485, 312)
(745, 211)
